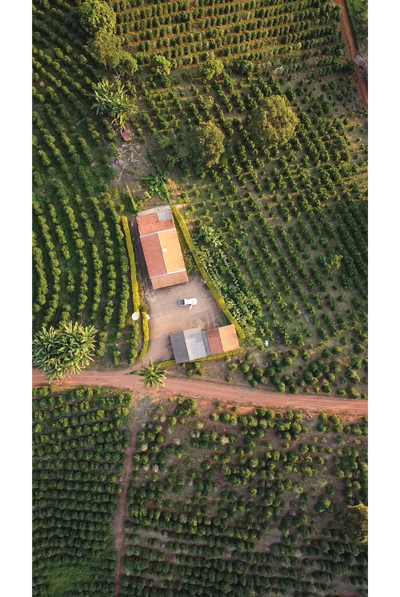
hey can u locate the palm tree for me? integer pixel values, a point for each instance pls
(66, 350)
(153, 375)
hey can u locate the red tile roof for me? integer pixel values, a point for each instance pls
(161, 249)
(228, 337)
(149, 223)
(173, 257)
(153, 255)
(214, 341)
(169, 280)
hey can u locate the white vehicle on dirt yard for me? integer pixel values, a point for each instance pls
(187, 302)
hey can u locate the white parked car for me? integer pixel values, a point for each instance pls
(187, 302)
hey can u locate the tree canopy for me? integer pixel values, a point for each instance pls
(211, 67)
(207, 143)
(106, 47)
(160, 66)
(95, 15)
(63, 351)
(273, 122)
(355, 522)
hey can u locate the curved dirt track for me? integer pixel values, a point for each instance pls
(351, 50)
(209, 391)
(122, 512)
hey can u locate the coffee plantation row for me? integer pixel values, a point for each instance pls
(292, 36)
(80, 269)
(78, 438)
(220, 500)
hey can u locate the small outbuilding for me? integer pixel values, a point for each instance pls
(193, 344)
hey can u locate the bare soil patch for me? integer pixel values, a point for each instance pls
(166, 317)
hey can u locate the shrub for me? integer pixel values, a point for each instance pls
(359, 348)
(258, 373)
(146, 337)
(132, 264)
(210, 68)
(273, 121)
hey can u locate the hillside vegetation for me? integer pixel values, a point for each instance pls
(278, 214)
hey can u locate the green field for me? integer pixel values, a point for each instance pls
(358, 15)
(276, 31)
(78, 438)
(269, 224)
(79, 257)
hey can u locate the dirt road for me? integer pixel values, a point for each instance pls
(351, 50)
(210, 391)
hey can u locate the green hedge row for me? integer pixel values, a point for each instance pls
(211, 286)
(167, 363)
(211, 357)
(146, 335)
(132, 263)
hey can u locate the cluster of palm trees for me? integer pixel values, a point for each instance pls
(69, 349)
(60, 352)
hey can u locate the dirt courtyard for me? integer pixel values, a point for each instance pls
(166, 317)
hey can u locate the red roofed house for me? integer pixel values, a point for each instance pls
(161, 247)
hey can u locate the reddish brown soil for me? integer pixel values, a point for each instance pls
(210, 390)
(351, 50)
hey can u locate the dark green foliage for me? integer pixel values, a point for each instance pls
(273, 122)
(207, 144)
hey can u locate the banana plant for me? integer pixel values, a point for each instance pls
(112, 98)
(63, 351)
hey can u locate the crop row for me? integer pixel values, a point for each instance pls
(194, 518)
(70, 168)
(71, 519)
